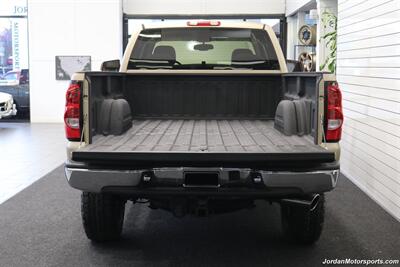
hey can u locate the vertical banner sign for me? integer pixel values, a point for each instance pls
(19, 30)
(19, 36)
(15, 45)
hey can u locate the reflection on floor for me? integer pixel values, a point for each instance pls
(28, 151)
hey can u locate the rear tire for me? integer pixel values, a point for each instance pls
(302, 225)
(102, 216)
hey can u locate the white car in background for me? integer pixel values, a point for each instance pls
(7, 106)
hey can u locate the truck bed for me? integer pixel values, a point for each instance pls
(202, 141)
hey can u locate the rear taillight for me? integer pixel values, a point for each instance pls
(334, 113)
(72, 112)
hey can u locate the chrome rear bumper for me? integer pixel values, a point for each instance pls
(97, 180)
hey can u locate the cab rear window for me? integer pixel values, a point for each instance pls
(203, 48)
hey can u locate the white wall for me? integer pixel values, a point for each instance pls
(293, 25)
(13, 8)
(68, 27)
(185, 7)
(323, 51)
(369, 74)
(292, 39)
(293, 5)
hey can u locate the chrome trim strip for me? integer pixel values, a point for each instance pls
(95, 180)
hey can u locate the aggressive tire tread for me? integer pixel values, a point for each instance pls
(102, 216)
(302, 225)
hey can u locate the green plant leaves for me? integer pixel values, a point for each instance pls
(329, 19)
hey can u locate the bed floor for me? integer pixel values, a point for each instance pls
(203, 135)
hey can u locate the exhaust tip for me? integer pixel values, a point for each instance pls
(314, 202)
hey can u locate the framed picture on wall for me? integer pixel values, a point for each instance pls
(68, 65)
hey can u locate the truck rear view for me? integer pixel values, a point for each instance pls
(202, 119)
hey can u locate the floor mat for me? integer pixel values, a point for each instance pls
(41, 226)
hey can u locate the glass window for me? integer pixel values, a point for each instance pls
(14, 71)
(11, 76)
(203, 48)
(132, 25)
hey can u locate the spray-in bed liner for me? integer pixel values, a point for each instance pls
(202, 140)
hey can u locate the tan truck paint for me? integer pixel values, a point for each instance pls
(79, 76)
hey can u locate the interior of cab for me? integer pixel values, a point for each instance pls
(203, 48)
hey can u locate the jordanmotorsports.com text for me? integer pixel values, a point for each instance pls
(360, 261)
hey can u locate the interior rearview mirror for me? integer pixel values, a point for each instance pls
(110, 65)
(203, 47)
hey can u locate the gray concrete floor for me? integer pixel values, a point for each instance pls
(28, 152)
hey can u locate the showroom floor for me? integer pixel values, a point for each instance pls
(41, 226)
(28, 151)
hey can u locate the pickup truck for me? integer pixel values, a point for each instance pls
(201, 118)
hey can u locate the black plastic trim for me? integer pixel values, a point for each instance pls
(193, 192)
(274, 167)
(205, 16)
(201, 159)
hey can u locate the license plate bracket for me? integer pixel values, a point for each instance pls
(201, 179)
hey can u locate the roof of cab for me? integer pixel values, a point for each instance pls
(222, 24)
